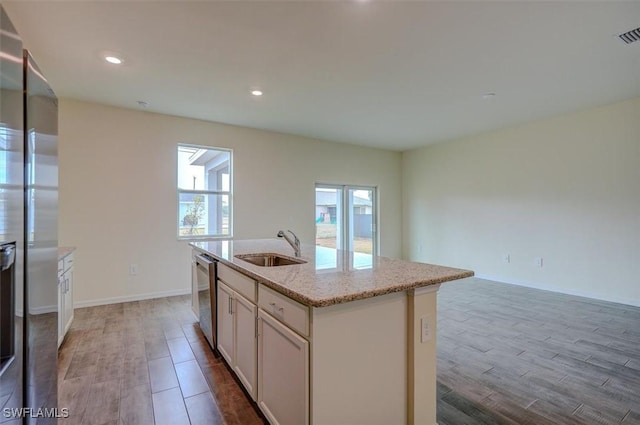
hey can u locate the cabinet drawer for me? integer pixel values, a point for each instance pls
(290, 312)
(60, 267)
(68, 262)
(238, 282)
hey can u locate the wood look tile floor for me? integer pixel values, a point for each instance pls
(506, 355)
(146, 363)
(514, 355)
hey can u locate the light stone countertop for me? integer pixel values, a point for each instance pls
(63, 251)
(330, 276)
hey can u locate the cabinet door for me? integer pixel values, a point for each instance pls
(195, 304)
(60, 309)
(283, 373)
(225, 322)
(244, 313)
(68, 300)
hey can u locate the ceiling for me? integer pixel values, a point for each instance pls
(388, 74)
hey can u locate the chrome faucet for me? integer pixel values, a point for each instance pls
(295, 242)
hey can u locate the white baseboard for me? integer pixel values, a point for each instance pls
(127, 298)
(577, 293)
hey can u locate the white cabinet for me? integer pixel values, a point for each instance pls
(283, 377)
(68, 300)
(225, 322)
(195, 304)
(61, 296)
(245, 314)
(286, 310)
(65, 295)
(265, 346)
(315, 365)
(237, 335)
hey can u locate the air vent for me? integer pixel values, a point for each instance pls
(630, 36)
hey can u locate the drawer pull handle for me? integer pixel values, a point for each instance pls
(274, 307)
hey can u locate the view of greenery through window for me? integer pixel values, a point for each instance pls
(204, 192)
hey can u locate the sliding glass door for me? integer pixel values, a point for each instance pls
(346, 218)
(361, 221)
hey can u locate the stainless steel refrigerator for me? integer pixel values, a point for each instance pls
(28, 236)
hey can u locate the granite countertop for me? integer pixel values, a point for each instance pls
(63, 251)
(330, 276)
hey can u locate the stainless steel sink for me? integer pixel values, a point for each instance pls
(269, 259)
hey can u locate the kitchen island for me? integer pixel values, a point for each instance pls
(343, 338)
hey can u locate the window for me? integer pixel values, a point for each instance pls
(346, 218)
(204, 192)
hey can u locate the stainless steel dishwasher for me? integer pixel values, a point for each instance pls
(206, 278)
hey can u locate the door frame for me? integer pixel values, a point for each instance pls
(346, 228)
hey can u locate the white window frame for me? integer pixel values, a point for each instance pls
(346, 212)
(229, 193)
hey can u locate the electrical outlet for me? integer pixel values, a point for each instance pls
(425, 329)
(133, 269)
(506, 258)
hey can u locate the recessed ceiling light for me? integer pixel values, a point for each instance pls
(256, 92)
(113, 59)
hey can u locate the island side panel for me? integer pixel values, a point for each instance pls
(359, 362)
(422, 352)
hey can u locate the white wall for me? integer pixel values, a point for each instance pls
(565, 189)
(118, 193)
